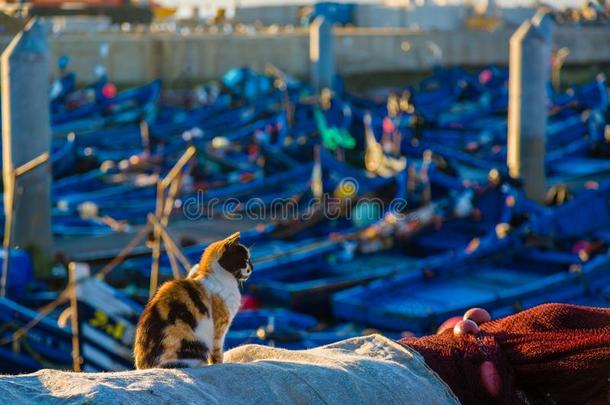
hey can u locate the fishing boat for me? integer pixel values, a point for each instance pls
(105, 108)
(107, 320)
(44, 346)
(466, 237)
(561, 254)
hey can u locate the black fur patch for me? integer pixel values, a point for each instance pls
(195, 296)
(234, 258)
(179, 311)
(154, 336)
(192, 350)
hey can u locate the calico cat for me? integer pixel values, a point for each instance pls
(185, 323)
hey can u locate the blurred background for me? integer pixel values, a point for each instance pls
(390, 165)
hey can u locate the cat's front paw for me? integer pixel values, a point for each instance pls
(216, 359)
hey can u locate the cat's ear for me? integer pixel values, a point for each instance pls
(215, 250)
(231, 240)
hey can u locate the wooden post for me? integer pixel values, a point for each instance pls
(171, 248)
(321, 53)
(160, 209)
(145, 136)
(560, 57)
(78, 271)
(281, 85)
(26, 134)
(530, 65)
(156, 244)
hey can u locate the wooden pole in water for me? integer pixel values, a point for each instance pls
(162, 185)
(156, 245)
(75, 270)
(145, 136)
(171, 248)
(26, 134)
(321, 53)
(281, 85)
(530, 66)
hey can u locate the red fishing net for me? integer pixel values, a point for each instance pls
(554, 353)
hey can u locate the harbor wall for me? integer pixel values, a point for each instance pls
(364, 15)
(268, 15)
(390, 13)
(191, 58)
(424, 17)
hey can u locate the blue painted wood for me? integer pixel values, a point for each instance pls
(517, 277)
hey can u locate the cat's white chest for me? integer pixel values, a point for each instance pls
(222, 283)
(218, 282)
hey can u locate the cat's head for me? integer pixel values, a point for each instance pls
(230, 255)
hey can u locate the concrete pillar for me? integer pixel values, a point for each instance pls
(530, 56)
(26, 134)
(321, 53)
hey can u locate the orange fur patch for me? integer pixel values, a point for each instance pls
(221, 324)
(213, 252)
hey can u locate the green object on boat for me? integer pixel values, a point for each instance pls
(333, 137)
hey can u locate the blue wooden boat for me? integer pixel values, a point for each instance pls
(280, 318)
(285, 185)
(107, 324)
(67, 226)
(60, 91)
(285, 329)
(128, 106)
(63, 158)
(43, 346)
(80, 103)
(309, 289)
(539, 262)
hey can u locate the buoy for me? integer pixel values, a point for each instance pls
(109, 91)
(465, 327)
(581, 245)
(249, 303)
(485, 76)
(388, 126)
(477, 315)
